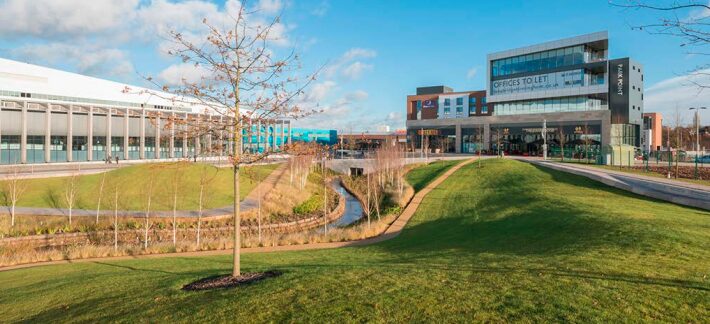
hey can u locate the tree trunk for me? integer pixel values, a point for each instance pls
(236, 271)
(199, 216)
(12, 215)
(174, 219)
(115, 223)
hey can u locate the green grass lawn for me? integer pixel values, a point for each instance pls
(419, 177)
(133, 181)
(507, 242)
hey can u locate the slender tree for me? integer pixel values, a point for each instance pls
(241, 81)
(15, 187)
(148, 189)
(100, 194)
(70, 192)
(207, 175)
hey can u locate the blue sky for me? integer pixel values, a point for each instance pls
(376, 52)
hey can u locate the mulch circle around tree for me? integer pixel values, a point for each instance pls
(227, 281)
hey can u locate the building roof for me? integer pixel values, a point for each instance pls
(598, 37)
(23, 77)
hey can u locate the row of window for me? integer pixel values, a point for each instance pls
(459, 101)
(459, 111)
(579, 103)
(544, 60)
(7, 93)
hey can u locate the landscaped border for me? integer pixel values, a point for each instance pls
(392, 231)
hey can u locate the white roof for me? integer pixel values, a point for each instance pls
(24, 77)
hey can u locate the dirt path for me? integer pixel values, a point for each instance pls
(392, 231)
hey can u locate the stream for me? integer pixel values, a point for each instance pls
(353, 210)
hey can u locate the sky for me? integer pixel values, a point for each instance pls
(372, 53)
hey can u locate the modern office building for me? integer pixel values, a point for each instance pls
(652, 134)
(310, 135)
(47, 115)
(570, 85)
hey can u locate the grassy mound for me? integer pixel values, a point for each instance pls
(133, 182)
(507, 242)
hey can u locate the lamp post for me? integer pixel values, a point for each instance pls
(544, 140)
(697, 127)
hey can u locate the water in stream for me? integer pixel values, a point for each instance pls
(353, 210)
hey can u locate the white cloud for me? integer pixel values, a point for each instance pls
(318, 92)
(86, 58)
(357, 95)
(681, 92)
(269, 6)
(50, 19)
(355, 70)
(321, 9)
(355, 53)
(471, 73)
(177, 74)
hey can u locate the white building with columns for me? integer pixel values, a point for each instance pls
(48, 115)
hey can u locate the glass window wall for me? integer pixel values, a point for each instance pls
(540, 61)
(566, 104)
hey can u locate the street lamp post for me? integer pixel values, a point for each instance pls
(697, 127)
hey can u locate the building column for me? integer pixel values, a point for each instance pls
(126, 134)
(108, 133)
(141, 152)
(198, 145)
(157, 136)
(23, 134)
(184, 139)
(258, 135)
(48, 134)
(70, 133)
(171, 149)
(272, 134)
(289, 132)
(283, 134)
(487, 136)
(458, 139)
(208, 140)
(1, 103)
(90, 135)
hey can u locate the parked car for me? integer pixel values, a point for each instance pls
(703, 159)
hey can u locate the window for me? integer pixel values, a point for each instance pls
(484, 109)
(472, 101)
(447, 102)
(419, 105)
(459, 101)
(447, 111)
(483, 100)
(459, 110)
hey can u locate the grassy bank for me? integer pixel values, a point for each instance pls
(134, 182)
(507, 242)
(418, 178)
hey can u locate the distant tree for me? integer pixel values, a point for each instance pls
(15, 187)
(177, 182)
(148, 191)
(99, 195)
(207, 175)
(71, 187)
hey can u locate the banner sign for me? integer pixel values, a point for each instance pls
(428, 132)
(549, 81)
(429, 103)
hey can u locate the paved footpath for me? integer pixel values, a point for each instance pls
(392, 231)
(249, 203)
(681, 193)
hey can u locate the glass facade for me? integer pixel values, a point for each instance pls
(566, 104)
(550, 59)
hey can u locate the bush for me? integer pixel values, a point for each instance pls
(311, 205)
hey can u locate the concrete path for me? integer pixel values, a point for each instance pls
(391, 232)
(682, 193)
(249, 203)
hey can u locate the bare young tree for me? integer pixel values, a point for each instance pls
(15, 187)
(243, 82)
(177, 177)
(70, 191)
(207, 174)
(148, 190)
(686, 20)
(100, 194)
(561, 134)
